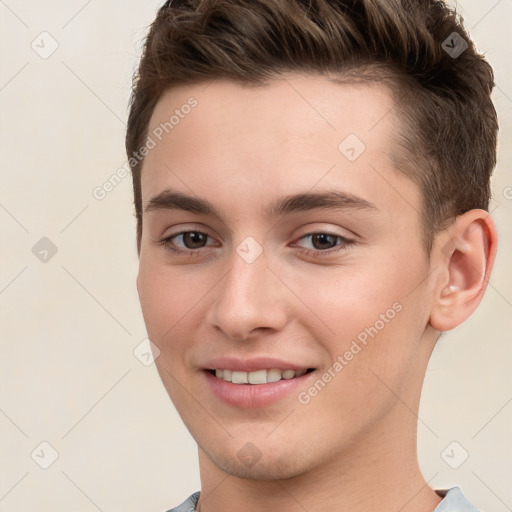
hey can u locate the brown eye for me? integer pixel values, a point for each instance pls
(194, 239)
(323, 241)
(188, 242)
(323, 244)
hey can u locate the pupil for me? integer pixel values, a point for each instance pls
(193, 240)
(324, 241)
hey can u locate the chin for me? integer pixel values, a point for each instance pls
(268, 466)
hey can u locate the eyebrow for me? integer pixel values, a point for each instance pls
(329, 199)
(302, 202)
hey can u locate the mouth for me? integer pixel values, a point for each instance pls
(257, 388)
(258, 377)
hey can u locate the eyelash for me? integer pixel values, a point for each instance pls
(344, 244)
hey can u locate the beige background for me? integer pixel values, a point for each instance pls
(68, 374)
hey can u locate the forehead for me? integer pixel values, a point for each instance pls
(293, 107)
(281, 137)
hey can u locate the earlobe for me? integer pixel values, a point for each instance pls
(465, 253)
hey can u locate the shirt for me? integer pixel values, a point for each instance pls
(453, 501)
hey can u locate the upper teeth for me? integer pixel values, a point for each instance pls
(257, 377)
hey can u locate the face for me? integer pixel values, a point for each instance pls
(281, 248)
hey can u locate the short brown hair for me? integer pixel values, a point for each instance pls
(447, 144)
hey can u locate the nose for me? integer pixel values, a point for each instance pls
(250, 299)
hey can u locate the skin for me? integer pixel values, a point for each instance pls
(353, 446)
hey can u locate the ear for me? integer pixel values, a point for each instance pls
(464, 254)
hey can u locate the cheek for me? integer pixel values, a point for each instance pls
(375, 312)
(169, 307)
(350, 300)
(157, 302)
(167, 304)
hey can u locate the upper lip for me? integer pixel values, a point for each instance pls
(251, 365)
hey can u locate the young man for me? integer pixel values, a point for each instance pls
(311, 188)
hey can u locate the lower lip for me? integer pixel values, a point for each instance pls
(247, 396)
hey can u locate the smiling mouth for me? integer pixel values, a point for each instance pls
(258, 376)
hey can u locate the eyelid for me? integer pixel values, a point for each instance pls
(185, 227)
(316, 229)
